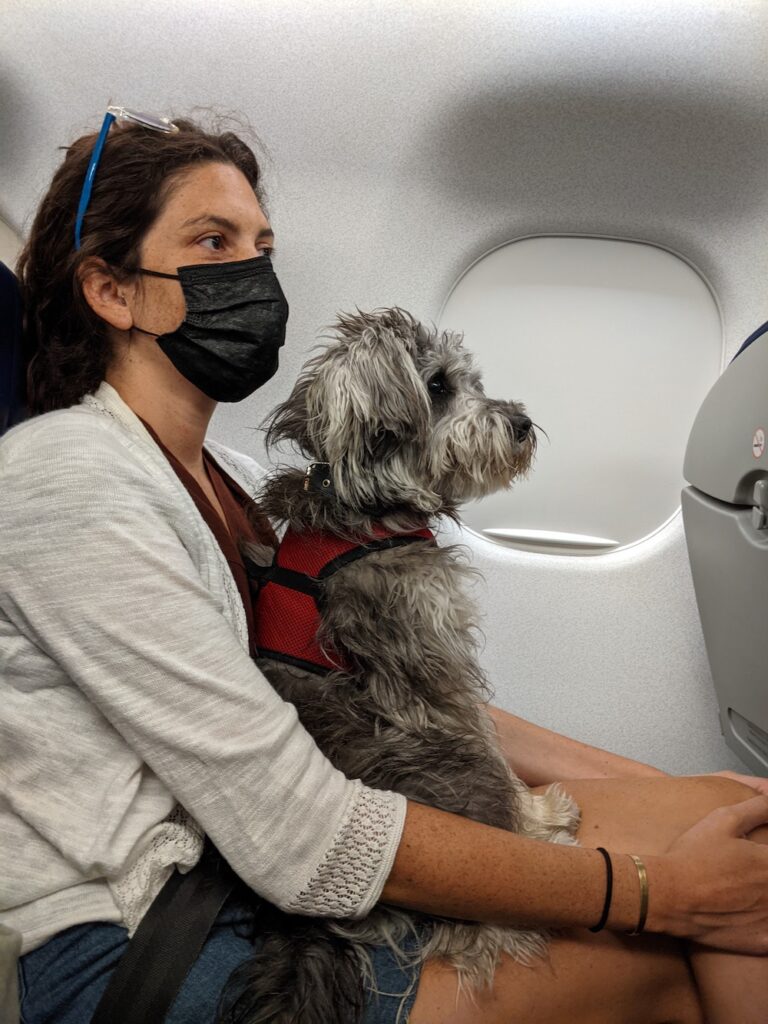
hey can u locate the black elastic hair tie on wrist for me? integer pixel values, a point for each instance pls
(608, 891)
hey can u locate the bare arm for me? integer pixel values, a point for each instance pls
(521, 881)
(539, 756)
(710, 886)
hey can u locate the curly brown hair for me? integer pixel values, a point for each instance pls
(67, 347)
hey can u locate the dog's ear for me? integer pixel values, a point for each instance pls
(366, 399)
(288, 420)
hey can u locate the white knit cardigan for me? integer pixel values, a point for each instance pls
(132, 719)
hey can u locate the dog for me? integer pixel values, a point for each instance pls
(384, 674)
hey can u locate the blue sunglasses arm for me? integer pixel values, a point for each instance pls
(85, 195)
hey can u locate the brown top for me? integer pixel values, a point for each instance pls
(239, 526)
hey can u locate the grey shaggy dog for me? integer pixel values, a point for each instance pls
(398, 420)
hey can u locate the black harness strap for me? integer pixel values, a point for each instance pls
(289, 659)
(167, 942)
(260, 575)
(274, 573)
(364, 549)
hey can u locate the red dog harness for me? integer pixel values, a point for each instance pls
(288, 594)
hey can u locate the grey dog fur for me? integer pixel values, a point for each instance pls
(399, 413)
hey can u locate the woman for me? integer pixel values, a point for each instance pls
(135, 720)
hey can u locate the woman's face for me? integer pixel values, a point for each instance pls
(212, 216)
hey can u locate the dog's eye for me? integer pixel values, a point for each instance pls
(438, 385)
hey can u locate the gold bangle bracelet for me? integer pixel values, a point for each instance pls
(642, 875)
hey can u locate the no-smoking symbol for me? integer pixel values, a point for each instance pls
(758, 442)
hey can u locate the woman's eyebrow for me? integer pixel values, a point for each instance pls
(224, 222)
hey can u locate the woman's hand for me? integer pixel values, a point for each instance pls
(713, 882)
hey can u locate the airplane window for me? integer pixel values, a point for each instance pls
(612, 346)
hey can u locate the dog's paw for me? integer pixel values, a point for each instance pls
(553, 816)
(474, 950)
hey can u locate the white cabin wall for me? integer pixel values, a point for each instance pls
(404, 140)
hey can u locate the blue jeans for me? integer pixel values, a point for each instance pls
(63, 980)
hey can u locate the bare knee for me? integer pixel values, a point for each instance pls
(647, 815)
(719, 791)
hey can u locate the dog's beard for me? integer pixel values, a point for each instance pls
(473, 456)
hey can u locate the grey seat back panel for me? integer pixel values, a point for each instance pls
(725, 512)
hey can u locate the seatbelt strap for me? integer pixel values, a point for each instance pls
(166, 944)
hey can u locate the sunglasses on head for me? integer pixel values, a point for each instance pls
(158, 124)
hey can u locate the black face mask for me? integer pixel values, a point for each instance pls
(233, 328)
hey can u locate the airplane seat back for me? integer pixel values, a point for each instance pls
(12, 401)
(761, 330)
(725, 517)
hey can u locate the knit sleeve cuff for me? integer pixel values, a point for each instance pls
(349, 880)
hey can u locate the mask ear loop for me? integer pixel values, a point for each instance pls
(154, 273)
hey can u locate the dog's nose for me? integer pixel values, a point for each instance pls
(521, 426)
